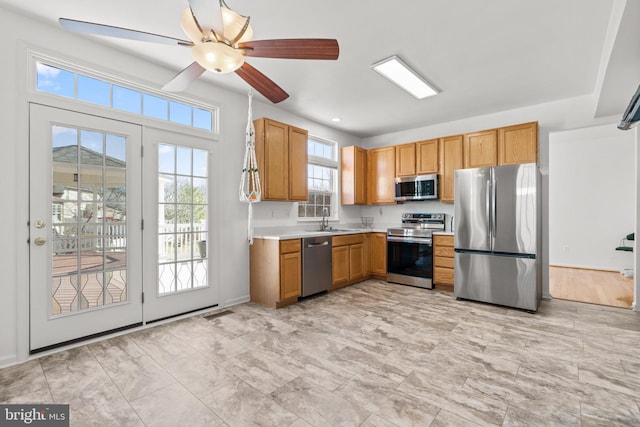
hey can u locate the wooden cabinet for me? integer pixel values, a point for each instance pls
(406, 159)
(417, 158)
(378, 254)
(480, 149)
(281, 152)
(275, 272)
(450, 160)
(381, 168)
(347, 258)
(298, 149)
(356, 261)
(353, 171)
(518, 144)
(367, 248)
(339, 266)
(427, 157)
(443, 260)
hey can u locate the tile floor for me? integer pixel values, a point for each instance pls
(373, 354)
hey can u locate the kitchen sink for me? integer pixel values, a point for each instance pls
(343, 230)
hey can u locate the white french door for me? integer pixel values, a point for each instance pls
(85, 225)
(178, 239)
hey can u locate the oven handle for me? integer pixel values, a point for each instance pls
(409, 240)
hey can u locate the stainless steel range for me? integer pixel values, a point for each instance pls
(410, 249)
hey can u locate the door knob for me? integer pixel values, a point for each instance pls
(40, 224)
(40, 241)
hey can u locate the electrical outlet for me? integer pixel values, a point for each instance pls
(565, 248)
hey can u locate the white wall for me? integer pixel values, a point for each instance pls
(18, 32)
(591, 197)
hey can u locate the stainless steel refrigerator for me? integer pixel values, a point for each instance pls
(497, 238)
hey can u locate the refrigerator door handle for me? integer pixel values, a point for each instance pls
(487, 207)
(494, 222)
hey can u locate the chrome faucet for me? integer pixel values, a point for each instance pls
(324, 223)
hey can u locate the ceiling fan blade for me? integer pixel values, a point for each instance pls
(123, 33)
(292, 48)
(183, 79)
(262, 83)
(208, 13)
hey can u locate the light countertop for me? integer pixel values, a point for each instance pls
(284, 233)
(443, 233)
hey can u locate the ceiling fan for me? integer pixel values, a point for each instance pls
(220, 39)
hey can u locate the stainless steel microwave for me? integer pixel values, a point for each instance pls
(421, 187)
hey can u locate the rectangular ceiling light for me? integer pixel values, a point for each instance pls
(396, 70)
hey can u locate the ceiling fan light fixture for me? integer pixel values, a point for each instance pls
(233, 24)
(398, 72)
(217, 57)
(190, 27)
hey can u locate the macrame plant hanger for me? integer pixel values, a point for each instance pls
(250, 191)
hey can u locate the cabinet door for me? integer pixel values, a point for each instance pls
(518, 144)
(382, 171)
(290, 275)
(368, 254)
(339, 265)
(353, 172)
(361, 176)
(427, 157)
(379, 260)
(356, 261)
(406, 160)
(298, 164)
(481, 149)
(275, 171)
(450, 160)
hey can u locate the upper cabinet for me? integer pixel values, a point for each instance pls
(481, 149)
(450, 160)
(281, 152)
(381, 168)
(417, 158)
(406, 159)
(353, 170)
(518, 144)
(427, 157)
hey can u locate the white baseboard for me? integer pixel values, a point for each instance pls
(587, 267)
(7, 361)
(236, 301)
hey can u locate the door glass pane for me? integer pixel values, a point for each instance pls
(88, 217)
(182, 219)
(91, 147)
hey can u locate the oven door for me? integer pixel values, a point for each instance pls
(410, 262)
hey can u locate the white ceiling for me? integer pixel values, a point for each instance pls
(485, 55)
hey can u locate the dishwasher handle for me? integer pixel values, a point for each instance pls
(313, 245)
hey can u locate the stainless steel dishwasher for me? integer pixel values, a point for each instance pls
(316, 265)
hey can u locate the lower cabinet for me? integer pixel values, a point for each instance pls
(347, 259)
(378, 255)
(275, 272)
(443, 261)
